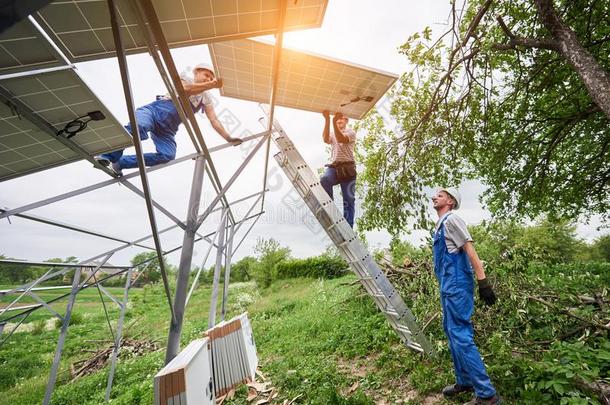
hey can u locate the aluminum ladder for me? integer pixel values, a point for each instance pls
(372, 278)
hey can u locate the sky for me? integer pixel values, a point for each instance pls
(365, 32)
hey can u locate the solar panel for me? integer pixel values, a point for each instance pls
(81, 28)
(58, 98)
(23, 48)
(306, 81)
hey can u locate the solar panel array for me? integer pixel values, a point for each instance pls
(58, 98)
(22, 48)
(306, 81)
(81, 28)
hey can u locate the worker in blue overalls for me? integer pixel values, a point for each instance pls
(454, 261)
(161, 120)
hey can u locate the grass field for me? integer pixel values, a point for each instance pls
(320, 341)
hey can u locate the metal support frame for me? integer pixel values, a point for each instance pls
(62, 337)
(186, 258)
(217, 268)
(122, 59)
(227, 272)
(119, 334)
(225, 234)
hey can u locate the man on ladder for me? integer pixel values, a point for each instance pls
(454, 261)
(161, 120)
(342, 169)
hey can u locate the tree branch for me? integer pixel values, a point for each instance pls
(515, 41)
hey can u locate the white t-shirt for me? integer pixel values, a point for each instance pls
(456, 232)
(342, 152)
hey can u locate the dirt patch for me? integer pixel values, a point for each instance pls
(393, 391)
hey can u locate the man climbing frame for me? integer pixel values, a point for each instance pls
(342, 169)
(161, 120)
(454, 260)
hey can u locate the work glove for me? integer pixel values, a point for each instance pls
(486, 292)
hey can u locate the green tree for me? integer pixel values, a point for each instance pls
(269, 254)
(601, 248)
(148, 265)
(242, 269)
(517, 94)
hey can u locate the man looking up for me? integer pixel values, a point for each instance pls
(342, 169)
(454, 261)
(161, 120)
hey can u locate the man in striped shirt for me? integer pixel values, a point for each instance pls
(342, 169)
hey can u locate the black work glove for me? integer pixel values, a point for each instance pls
(486, 292)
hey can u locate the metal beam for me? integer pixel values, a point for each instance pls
(120, 52)
(203, 216)
(147, 8)
(205, 259)
(62, 338)
(119, 335)
(275, 74)
(186, 259)
(214, 297)
(227, 272)
(93, 187)
(74, 228)
(67, 265)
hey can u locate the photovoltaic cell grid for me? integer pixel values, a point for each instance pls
(23, 48)
(81, 28)
(58, 98)
(306, 81)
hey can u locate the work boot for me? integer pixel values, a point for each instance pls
(456, 389)
(103, 161)
(117, 168)
(495, 400)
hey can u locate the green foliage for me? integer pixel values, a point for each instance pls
(269, 255)
(148, 264)
(510, 246)
(242, 270)
(76, 318)
(562, 377)
(38, 326)
(521, 120)
(600, 249)
(313, 267)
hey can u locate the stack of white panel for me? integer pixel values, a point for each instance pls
(186, 380)
(233, 350)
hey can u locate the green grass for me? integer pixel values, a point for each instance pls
(317, 338)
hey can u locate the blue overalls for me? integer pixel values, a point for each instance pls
(161, 119)
(455, 277)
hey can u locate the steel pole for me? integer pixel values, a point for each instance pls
(214, 299)
(62, 338)
(227, 276)
(186, 258)
(120, 52)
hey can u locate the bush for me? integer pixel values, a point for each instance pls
(313, 267)
(270, 254)
(75, 319)
(38, 326)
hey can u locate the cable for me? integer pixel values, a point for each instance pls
(77, 125)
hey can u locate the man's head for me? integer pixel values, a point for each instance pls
(341, 120)
(203, 73)
(446, 199)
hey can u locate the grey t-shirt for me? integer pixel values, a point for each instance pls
(456, 232)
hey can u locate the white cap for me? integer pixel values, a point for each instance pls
(453, 192)
(205, 66)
